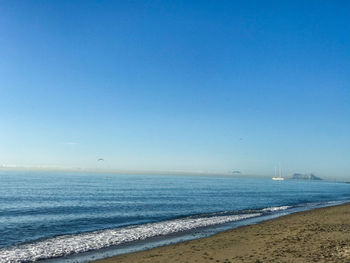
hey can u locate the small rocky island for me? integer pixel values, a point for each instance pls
(305, 177)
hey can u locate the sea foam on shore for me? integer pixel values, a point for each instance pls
(69, 244)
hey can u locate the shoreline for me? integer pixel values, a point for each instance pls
(318, 235)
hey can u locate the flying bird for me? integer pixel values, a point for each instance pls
(100, 159)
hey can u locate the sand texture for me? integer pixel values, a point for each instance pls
(321, 235)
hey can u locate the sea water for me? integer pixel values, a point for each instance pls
(45, 215)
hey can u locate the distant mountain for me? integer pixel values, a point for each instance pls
(305, 177)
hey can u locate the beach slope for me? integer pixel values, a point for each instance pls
(320, 235)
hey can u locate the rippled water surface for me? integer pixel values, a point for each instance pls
(41, 210)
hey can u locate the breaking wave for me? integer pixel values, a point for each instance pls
(275, 208)
(69, 244)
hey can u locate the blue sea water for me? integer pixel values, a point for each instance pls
(47, 215)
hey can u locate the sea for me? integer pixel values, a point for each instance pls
(79, 217)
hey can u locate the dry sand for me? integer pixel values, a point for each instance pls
(320, 235)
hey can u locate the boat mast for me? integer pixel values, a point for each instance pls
(280, 174)
(275, 171)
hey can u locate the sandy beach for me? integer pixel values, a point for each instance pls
(320, 235)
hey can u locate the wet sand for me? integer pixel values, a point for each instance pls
(320, 235)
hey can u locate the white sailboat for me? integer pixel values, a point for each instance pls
(279, 177)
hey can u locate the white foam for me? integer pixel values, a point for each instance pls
(69, 244)
(276, 208)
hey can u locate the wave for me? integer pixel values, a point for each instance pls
(276, 208)
(68, 244)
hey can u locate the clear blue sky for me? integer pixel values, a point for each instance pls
(176, 85)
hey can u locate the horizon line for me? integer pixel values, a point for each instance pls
(43, 168)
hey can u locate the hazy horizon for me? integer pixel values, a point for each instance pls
(54, 169)
(176, 86)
